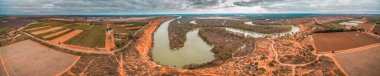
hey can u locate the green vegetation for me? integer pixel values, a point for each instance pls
(93, 38)
(331, 27)
(3, 19)
(80, 27)
(48, 33)
(4, 30)
(36, 25)
(134, 23)
(51, 38)
(138, 23)
(45, 23)
(335, 28)
(375, 20)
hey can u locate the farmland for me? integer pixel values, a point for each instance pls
(361, 61)
(94, 37)
(8, 25)
(40, 59)
(4, 30)
(328, 42)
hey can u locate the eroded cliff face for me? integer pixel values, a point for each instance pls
(137, 57)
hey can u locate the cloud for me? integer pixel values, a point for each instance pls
(254, 2)
(185, 6)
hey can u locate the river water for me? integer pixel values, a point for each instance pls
(195, 50)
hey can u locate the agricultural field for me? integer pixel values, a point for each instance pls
(360, 62)
(31, 58)
(8, 25)
(92, 37)
(4, 30)
(328, 42)
(46, 31)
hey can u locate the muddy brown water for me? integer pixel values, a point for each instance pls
(195, 51)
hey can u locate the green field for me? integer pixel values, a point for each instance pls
(41, 24)
(60, 35)
(93, 36)
(4, 30)
(48, 33)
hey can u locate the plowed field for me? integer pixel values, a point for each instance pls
(327, 42)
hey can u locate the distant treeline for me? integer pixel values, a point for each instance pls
(338, 30)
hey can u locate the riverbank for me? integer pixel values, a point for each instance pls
(178, 28)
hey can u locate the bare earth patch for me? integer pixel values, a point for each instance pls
(47, 30)
(327, 42)
(68, 36)
(29, 58)
(362, 62)
(55, 34)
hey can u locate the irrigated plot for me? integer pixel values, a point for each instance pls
(361, 62)
(94, 38)
(327, 42)
(56, 33)
(66, 37)
(29, 58)
(47, 30)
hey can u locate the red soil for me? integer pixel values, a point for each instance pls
(55, 34)
(109, 41)
(327, 42)
(68, 36)
(29, 58)
(47, 30)
(363, 61)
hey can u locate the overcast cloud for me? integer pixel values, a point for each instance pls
(186, 6)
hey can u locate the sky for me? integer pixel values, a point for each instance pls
(121, 7)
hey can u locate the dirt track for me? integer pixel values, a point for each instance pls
(3, 70)
(109, 41)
